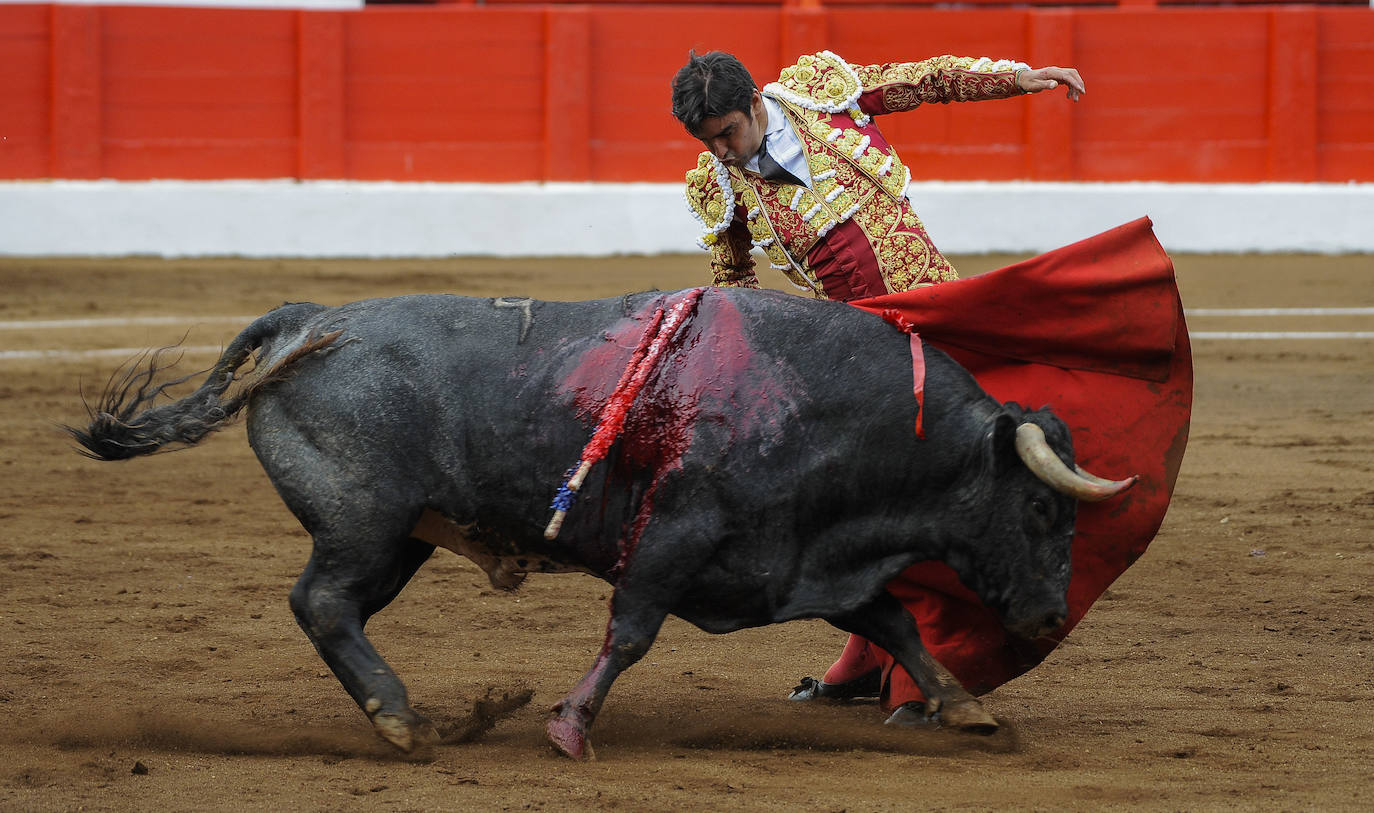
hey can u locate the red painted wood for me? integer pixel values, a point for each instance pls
(445, 94)
(567, 87)
(1050, 147)
(26, 92)
(1292, 102)
(489, 161)
(75, 149)
(206, 159)
(634, 136)
(320, 93)
(1345, 89)
(804, 30)
(865, 36)
(519, 91)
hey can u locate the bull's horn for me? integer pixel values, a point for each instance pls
(1093, 478)
(1036, 453)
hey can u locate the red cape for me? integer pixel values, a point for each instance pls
(1094, 330)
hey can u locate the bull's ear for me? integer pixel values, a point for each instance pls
(1000, 441)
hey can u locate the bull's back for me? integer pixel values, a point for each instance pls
(435, 389)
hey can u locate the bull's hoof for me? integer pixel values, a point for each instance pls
(963, 715)
(911, 715)
(407, 731)
(569, 739)
(968, 715)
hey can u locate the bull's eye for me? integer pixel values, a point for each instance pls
(1040, 515)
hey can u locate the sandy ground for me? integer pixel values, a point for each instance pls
(149, 660)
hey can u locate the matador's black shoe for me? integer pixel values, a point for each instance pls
(865, 686)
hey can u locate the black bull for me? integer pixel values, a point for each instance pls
(768, 471)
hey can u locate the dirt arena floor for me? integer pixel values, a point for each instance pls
(149, 660)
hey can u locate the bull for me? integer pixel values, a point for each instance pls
(767, 470)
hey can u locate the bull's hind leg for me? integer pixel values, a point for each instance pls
(885, 622)
(343, 586)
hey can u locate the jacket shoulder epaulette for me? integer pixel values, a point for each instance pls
(822, 82)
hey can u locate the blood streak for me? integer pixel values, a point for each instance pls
(706, 373)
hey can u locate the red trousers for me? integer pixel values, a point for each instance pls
(1094, 330)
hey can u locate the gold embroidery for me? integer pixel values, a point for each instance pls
(770, 222)
(900, 97)
(707, 199)
(867, 188)
(854, 173)
(905, 85)
(823, 77)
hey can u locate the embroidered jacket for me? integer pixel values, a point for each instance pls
(855, 173)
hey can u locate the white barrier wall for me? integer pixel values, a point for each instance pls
(353, 219)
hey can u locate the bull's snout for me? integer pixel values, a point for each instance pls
(1040, 624)
(1052, 622)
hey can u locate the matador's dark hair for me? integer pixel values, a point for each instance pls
(710, 85)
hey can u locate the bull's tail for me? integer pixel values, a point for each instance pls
(123, 424)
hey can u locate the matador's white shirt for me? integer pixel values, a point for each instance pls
(786, 147)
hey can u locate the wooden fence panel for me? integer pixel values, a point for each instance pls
(526, 91)
(445, 95)
(198, 93)
(1345, 93)
(633, 134)
(25, 93)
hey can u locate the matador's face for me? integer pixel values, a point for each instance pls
(736, 136)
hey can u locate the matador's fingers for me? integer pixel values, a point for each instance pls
(1038, 79)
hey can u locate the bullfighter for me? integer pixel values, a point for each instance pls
(799, 170)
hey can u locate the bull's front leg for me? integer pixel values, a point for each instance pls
(885, 622)
(634, 625)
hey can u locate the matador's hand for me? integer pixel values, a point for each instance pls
(1038, 79)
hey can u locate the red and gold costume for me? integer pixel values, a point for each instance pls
(1094, 329)
(853, 232)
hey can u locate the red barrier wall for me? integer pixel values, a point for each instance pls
(516, 92)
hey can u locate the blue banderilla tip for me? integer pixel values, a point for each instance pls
(564, 499)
